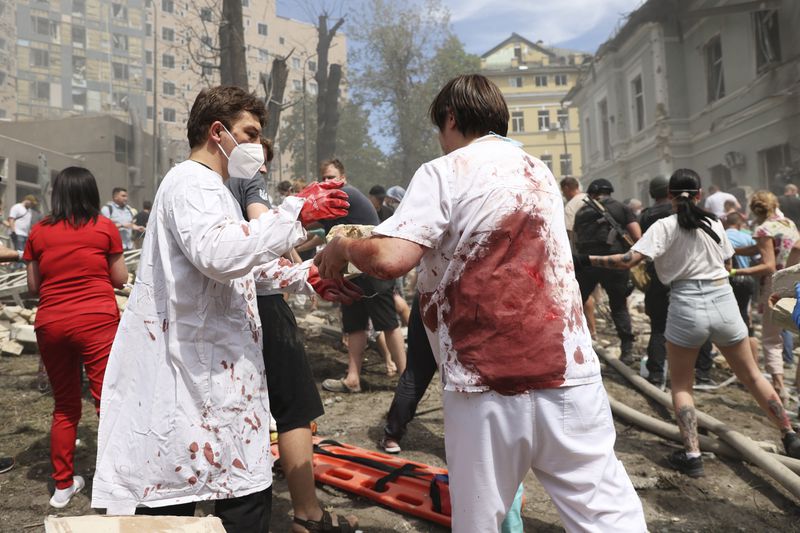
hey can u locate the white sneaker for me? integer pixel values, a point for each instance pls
(61, 497)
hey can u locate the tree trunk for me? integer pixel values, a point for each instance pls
(329, 122)
(275, 90)
(327, 90)
(232, 61)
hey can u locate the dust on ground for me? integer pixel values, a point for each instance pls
(732, 497)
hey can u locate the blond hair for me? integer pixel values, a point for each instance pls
(763, 204)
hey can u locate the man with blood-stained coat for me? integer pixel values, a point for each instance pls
(503, 313)
(185, 413)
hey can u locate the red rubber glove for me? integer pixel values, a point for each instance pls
(324, 201)
(334, 290)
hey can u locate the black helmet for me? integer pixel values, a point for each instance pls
(600, 186)
(659, 187)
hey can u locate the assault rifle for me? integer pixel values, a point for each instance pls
(616, 228)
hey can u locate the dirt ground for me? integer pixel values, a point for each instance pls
(732, 497)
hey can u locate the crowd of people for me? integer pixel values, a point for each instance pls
(207, 352)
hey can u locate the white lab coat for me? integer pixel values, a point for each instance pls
(184, 414)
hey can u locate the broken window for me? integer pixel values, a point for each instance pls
(768, 39)
(119, 12)
(45, 26)
(119, 42)
(715, 77)
(120, 71)
(79, 36)
(78, 98)
(79, 71)
(637, 95)
(517, 122)
(41, 90)
(40, 58)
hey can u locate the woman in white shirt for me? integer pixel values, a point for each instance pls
(692, 255)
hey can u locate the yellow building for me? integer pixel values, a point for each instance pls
(534, 79)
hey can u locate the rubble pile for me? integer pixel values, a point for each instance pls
(16, 324)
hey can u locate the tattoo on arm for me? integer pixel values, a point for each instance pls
(779, 413)
(617, 261)
(687, 422)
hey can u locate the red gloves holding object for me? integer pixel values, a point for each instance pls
(323, 201)
(334, 290)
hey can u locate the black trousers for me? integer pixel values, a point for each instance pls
(656, 305)
(246, 514)
(615, 283)
(420, 367)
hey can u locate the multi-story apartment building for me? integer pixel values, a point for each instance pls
(534, 79)
(706, 84)
(140, 61)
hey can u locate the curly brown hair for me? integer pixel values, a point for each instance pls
(763, 204)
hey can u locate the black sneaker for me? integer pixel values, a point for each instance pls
(6, 464)
(791, 443)
(656, 379)
(692, 467)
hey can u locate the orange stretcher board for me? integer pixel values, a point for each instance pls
(408, 492)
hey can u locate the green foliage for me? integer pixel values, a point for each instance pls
(405, 53)
(364, 162)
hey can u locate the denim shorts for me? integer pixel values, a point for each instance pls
(700, 310)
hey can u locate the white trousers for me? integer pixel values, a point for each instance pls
(565, 435)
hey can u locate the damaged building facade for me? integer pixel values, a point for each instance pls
(706, 84)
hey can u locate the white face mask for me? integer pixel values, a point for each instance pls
(245, 159)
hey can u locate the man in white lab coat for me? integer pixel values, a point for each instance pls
(184, 411)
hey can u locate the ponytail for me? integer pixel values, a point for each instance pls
(684, 185)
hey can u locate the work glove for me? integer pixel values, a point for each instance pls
(323, 201)
(796, 311)
(581, 261)
(334, 290)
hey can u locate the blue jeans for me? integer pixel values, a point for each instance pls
(788, 346)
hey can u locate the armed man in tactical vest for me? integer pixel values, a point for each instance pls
(605, 226)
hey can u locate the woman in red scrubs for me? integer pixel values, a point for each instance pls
(74, 261)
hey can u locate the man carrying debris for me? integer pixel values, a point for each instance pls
(185, 413)
(503, 312)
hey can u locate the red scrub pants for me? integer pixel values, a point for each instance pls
(65, 344)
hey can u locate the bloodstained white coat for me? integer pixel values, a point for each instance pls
(184, 413)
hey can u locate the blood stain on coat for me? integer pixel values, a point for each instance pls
(194, 447)
(489, 334)
(192, 480)
(238, 464)
(224, 364)
(250, 421)
(578, 356)
(164, 325)
(178, 468)
(246, 229)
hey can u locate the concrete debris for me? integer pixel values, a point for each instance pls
(351, 231)
(11, 347)
(782, 313)
(783, 281)
(23, 333)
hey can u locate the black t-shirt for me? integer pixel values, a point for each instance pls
(247, 192)
(790, 205)
(592, 230)
(653, 213)
(361, 211)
